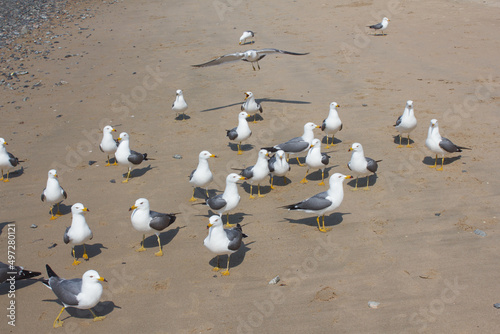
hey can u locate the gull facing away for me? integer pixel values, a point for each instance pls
(252, 56)
(145, 220)
(108, 145)
(79, 231)
(251, 106)
(332, 124)
(241, 132)
(53, 193)
(380, 26)
(440, 145)
(323, 202)
(227, 201)
(180, 105)
(316, 159)
(406, 123)
(246, 35)
(7, 160)
(125, 156)
(81, 293)
(278, 166)
(361, 165)
(202, 175)
(298, 144)
(258, 172)
(223, 241)
(7, 272)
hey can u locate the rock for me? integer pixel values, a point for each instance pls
(480, 233)
(372, 304)
(177, 156)
(497, 305)
(33, 226)
(275, 280)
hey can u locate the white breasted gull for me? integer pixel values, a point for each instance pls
(406, 123)
(251, 106)
(79, 231)
(229, 199)
(108, 145)
(125, 156)
(241, 132)
(180, 105)
(380, 26)
(278, 166)
(201, 176)
(258, 172)
(440, 145)
(7, 160)
(316, 159)
(361, 165)
(53, 193)
(246, 35)
(332, 124)
(7, 272)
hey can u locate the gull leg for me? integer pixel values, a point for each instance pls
(287, 157)
(255, 115)
(319, 226)
(226, 272)
(52, 213)
(322, 183)
(128, 176)
(259, 69)
(272, 177)
(253, 66)
(57, 322)
(7, 179)
(96, 318)
(298, 161)
(284, 179)
(217, 267)
(324, 229)
(442, 162)
(327, 142)
(108, 164)
(142, 249)
(58, 213)
(399, 146)
(251, 193)
(192, 199)
(408, 144)
(304, 180)
(206, 191)
(75, 262)
(85, 256)
(333, 138)
(1, 177)
(356, 186)
(240, 152)
(115, 163)
(435, 162)
(227, 221)
(258, 191)
(160, 252)
(367, 182)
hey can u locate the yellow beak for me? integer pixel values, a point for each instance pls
(213, 156)
(85, 209)
(348, 177)
(102, 279)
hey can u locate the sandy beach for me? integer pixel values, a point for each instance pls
(409, 243)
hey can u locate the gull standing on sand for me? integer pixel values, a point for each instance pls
(246, 35)
(81, 293)
(7, 272)
(223, 241)
(332, 124)
(108, 145)
(252, 56)
(323, 202)
(440, 145)
(7, 160)
(361, 165)
(227, 201)
(179, 105)
(53, 193)
(298, 144)
(278, 166)
(251, 106)
(380, 26)
(316, 159)
(125, 156)
(241, 132)
(145, 220)
(201, 176)
(258, 172)
(79, 231)
(406, 123)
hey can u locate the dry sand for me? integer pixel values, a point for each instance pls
(408, 243)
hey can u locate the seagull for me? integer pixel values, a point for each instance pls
(323, 202)
(7, 160)
(406, 123)
(361, 165)
(250, 105)
(316, 159)
(125, 156)
(278, 166)
(258, 172)
(179, 105)
(108, 145)
(81, 293)
(53, 193)
(145, 220)
(201, 176)
(298, 144)
(79, 231)
(332, 124)
(380, 26)
(9, 272)
(246, 34)
(228, 200)
(440, 145)
(223, 241)
(241, 132)
(253, 56)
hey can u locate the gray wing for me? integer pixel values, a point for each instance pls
(268, 51)
(13, 160)
(399, 120)
(323, 125)
(271, 163)
(325, 159)
(66, 236)
(191, 176)
(260, 108)
(371, 165)
(64, 193)
(448, 146)
(136, 158)
(222, 59)
(43, 195)
(66, 290)
(234, 235)
(247, 172)
(161, 221)
(216, 202)
(294, 145)
(317, 202)
(376, 26)
(100, 148)
(232, 134)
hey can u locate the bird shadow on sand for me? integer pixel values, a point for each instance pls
(335, 141)
(332, 220)
(94, 249)
(16, 173)
(235, 260)
(2, 225)
(63, 209)
(263, 189)
(429, 161)
(266, 99)
(316, 175)
(201, 194)
(101, 309)
(404, 140)
(5, 287)
(165, 238)
(372, 179)
(139, 172)
(182, 117)
(279, 181)
(244, 147)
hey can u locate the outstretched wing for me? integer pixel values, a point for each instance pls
(268, 51)
(222, 59)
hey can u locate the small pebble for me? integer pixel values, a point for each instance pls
(480, 233)
(177, 156)
(91, 162)
(373, 304)
(33, 226)
(437, 214)
(275, 280)
(364, 105)
(52, 246)
(497, 305)
(112, 181)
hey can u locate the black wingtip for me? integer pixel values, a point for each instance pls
(146, 157)
(50, 272)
